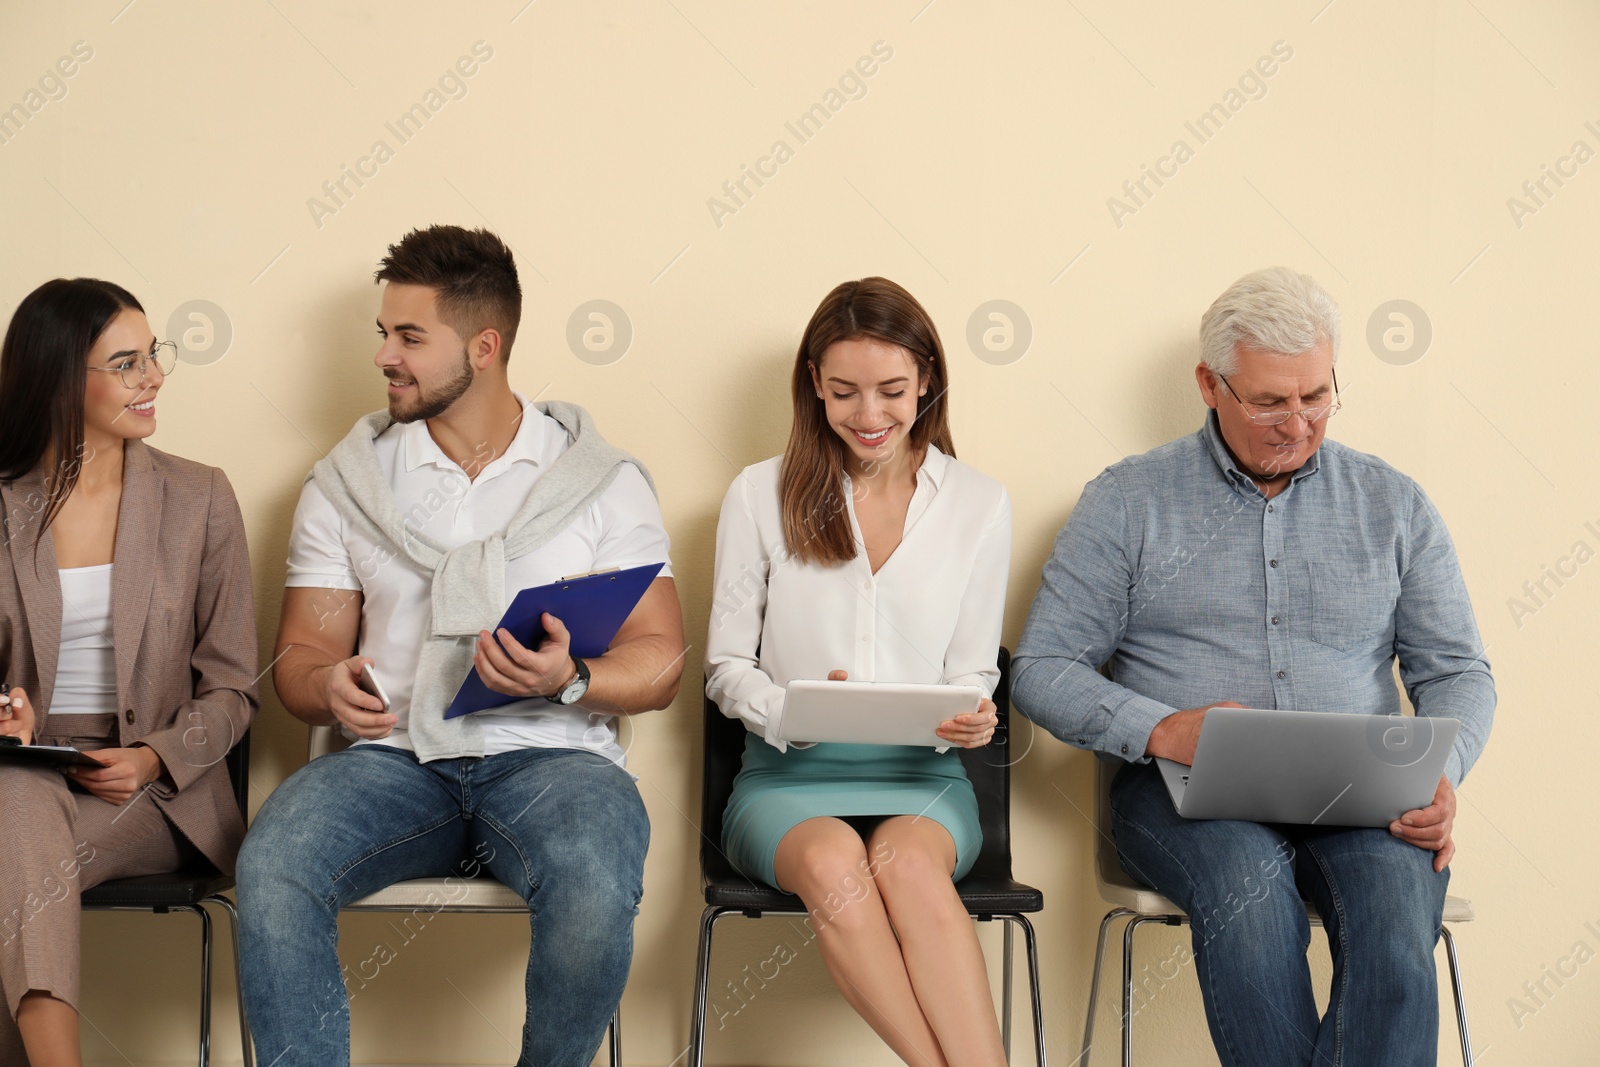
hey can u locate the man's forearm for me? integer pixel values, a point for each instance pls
(300, 678)
(1082, 707)
(641, 675)
(1470, 699)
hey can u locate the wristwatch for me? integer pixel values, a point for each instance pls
(574, 690)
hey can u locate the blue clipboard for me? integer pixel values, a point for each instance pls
(593, 608)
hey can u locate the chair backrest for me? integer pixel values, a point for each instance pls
(321, 740)
(1107, 864)
(238, 761)
(722, 749)
(989, 769)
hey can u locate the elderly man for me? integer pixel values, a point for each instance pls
(1254, 564)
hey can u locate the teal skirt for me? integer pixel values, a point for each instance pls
(777, 791)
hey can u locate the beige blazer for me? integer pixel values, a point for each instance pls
(183, 626)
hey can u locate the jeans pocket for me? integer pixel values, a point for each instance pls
(1353, 602)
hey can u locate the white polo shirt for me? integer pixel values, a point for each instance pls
(622, 528)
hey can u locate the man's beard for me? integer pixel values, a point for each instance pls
(431, 405)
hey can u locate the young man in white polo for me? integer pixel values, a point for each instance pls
(409, 541)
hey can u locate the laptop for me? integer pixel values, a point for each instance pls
(1310, 767)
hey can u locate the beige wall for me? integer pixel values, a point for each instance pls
(978, 165)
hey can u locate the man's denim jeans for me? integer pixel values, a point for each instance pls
(1242, 883)
(563, 828)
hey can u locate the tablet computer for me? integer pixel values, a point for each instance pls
(60, 756)
(873, 713)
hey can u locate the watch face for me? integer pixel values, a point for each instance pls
(578, 686)
(574, 692)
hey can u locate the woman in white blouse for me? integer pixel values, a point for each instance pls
(867, 551)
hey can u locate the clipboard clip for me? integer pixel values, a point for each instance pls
(590, 574)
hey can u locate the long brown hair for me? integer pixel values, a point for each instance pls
(816, 527)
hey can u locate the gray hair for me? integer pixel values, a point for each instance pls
(1275, 310)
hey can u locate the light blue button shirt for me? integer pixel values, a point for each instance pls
(1190, 587)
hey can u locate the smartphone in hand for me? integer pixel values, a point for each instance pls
(369, 684)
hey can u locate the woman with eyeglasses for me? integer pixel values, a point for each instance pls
(867, 552)
(126, 629)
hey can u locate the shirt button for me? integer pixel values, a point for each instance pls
(1283, 674)
(1269, 507)
(1272, 563)
(130, 716)
(1082, 741)
(1124, 750)
(1274, 620)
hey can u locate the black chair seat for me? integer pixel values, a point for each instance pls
(978, 895)
(177, 889)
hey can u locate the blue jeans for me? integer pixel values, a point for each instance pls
(564, 829)
(1242, 884)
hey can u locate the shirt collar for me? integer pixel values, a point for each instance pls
(934, 466)
(1211, 434)
(526, 445)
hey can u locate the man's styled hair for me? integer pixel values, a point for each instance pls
(472, 274)
(1274, 309)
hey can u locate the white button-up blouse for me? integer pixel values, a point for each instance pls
(932, 613)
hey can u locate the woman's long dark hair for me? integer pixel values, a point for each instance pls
(816, 527)
(43, 367)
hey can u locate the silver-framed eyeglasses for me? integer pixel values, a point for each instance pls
(135, 370)
(1277, 417)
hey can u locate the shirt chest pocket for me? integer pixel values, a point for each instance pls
(1352, 603)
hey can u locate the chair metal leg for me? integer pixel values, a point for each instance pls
(1094, 985)
(1006, 991)
(616, 1039)
(1031, 944)
(205, 978)
(238, 976)
(1460, 997)
(1127, 982)
(702, 984)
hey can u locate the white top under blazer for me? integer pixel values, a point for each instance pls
(932, 613)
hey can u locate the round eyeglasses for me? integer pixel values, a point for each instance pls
(135, 370)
